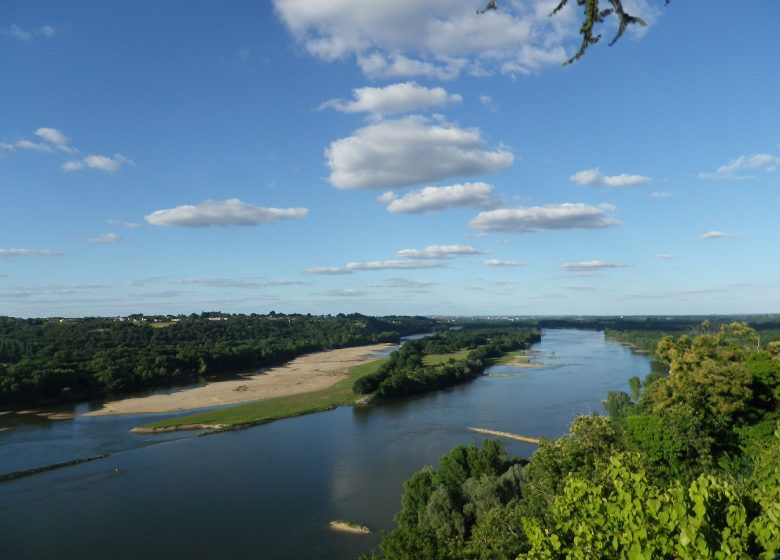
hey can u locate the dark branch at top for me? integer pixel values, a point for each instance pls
(593, 15)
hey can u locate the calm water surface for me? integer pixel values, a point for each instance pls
(269, 492)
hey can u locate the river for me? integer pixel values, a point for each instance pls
(269, 492)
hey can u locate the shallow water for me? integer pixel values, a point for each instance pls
(270, 491)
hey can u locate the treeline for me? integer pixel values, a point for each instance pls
(647, 338)
(407, 371)
(686, 466)
(45, 360)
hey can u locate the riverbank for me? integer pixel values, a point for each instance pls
(303, 375)
(260, 412)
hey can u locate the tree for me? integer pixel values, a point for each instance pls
(626, 516)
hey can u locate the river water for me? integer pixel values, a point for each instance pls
(269, 492)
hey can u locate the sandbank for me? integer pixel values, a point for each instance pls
(349, 527)
(304, 374)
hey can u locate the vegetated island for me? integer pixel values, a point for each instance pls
(427, 364)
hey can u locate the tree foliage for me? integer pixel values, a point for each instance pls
(406, 371)
(55, 360)
(687, 466)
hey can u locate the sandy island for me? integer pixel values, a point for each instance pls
(304, 374)
(349, 527)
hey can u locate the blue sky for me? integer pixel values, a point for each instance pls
(406, 157)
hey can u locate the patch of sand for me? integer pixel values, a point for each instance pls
(304, 374)
(349, 527)
(521, 363)
(57, 415)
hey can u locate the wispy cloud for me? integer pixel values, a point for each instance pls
(664, 257)
(24, 35)
(438, 252)
(734, 168)
(590, 265)
(403, 283)
(231, 212)
(550, 217)
(580, 288)
(394, 265)
(126, 225)
(243, 283)
(349, 268)
(327, 270)
(106, 238)
(661, 194)
(104, 163)
(410, 151)
(395, 98)
(56, 138)
(343, 292)
(56, 289)
(714, 234)
(487, 101)
(500, 262)
(594, 177)
(436, 199)
(8, 253)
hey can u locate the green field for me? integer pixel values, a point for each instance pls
(272, 409)
(436, 359)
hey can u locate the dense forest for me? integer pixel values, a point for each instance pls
(686, 466)
(60, 359)
(429, 363)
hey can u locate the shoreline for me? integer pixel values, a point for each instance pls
(304, 374)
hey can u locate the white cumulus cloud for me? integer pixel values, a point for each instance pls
(395, 98)
(231, 212)
(435, 199)
(552, 216)
(409, 151)
(438, 252)
(733, 169)
(594, 177)
(436, 39)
